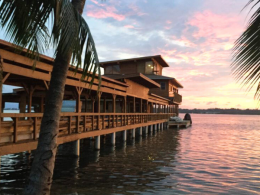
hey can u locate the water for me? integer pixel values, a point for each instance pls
(219, 154)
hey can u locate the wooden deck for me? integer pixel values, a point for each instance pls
(178, 125)
(22, 133)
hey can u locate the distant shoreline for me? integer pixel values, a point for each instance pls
(221, 111)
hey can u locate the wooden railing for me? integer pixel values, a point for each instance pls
(26, 126)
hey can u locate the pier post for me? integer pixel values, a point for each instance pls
(97, 142)
(159, 126)
(133, 133)
(140, 131)
(146, 130)
(69, 149)
(76, 147)
(113, 139)
(151, 129)
(124, 135)
(162, 126)
(155, 127)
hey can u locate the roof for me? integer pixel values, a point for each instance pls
(160, 77)
(138, 78)
(157, 58)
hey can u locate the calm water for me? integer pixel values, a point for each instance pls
(219, 154)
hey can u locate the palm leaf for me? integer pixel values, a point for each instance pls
(25, 22)
(246, 52)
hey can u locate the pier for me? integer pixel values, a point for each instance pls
(127, 103)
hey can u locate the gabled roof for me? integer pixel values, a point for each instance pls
(137, 77)
(157, 58)
(160, 77)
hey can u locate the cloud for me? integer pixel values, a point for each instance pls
(99, 12)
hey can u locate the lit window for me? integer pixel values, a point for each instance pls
(163, 85)
(149, 67)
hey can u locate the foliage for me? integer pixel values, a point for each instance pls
(246, 52)
(38, 25)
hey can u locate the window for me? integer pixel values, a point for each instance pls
(149, 67)
(141, 68)
(114, 69)
(163, 86)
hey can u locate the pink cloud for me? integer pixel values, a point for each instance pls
(214, 25)
(104, 12)
(129, 26)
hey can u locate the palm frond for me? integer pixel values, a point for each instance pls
(25, 23)
(246, 52)
(80, 40)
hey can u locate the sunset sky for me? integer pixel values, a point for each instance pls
(194, 36)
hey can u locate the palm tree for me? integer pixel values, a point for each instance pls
(25, 21)
(246, 52)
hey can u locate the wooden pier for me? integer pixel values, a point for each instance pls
(121, 104)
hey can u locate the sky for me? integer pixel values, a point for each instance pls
(195, 37)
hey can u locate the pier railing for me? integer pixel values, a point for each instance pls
(26, 126)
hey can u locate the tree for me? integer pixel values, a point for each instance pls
(246, 52)
(25, 21)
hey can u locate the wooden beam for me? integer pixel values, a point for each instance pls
(6, 77)
(46, 85)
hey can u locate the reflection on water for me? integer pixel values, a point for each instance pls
(219, 154)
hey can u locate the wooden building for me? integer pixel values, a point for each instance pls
(148, 68)
(124, 102)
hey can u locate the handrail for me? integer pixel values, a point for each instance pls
(77, 114)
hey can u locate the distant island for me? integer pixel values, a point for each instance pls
(221, 111)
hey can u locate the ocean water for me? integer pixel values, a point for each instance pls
(219, 154)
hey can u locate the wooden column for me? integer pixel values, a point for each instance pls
(31, 90)
(78, 107)
(78, 102)
(114, 103)
(104, 105)
(98, 109)
(141, 105)
(86, 102)
(93, 104)
(114, 109)
(134, 106)
(125, 103)
(42, 105)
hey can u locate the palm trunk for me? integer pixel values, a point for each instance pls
(40, 178)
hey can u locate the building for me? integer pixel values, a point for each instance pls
(146, 70)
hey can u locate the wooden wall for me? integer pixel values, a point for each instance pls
(136, 89)
(159, 91)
